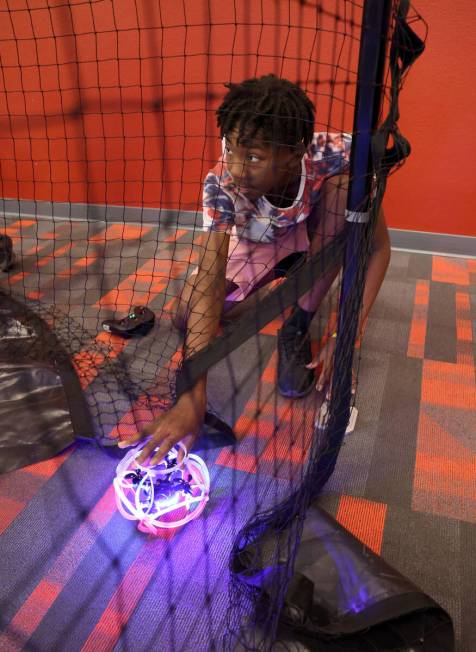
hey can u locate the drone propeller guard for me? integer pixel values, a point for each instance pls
(166, 495)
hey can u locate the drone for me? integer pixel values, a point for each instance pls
(166, 495)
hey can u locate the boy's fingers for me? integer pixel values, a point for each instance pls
(148, 449)
(324, 377)
(164, 448)
(319, 378)
(181, 454)
(130, 441)
(188, 442)
(147, 430)
(145, 453)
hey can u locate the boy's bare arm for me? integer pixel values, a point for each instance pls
(376, 269)
(208, 294)
(183, 421)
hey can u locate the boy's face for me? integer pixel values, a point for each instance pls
(259, 168)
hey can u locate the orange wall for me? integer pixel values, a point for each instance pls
(93, 98)
(436, 189)
(106, 101)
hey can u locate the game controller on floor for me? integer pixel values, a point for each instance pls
(139, 321)
(166, 495)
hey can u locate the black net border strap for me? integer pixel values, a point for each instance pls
(298, 281)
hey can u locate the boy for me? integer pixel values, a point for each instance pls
(279, 190)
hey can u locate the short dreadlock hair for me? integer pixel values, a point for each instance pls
(279, 110)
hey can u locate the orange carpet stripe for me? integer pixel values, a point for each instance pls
(273, 327)
(15, 228)
(41, 262)
(233, 459)
(40, 600)
(10, 510)
(32, 612)
(418, 328)
(445, 475)
(464, 331)
(45, 470)
(445, 472)
(45, 239)
(278, 436)
(271, 410)
(79, 265)
(111, 233)
(127, 295)
(277, 451)
(115, 231)
(448, 385)
(87, 364)
(450, 270)
(126, 597)
(246, 425)
(46, 260)
(253, 427)
(365, 519)
(291, 439)
(149, 280)
(121, 232)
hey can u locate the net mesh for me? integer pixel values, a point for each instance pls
(108, 130)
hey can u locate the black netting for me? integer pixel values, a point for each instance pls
(108, 116)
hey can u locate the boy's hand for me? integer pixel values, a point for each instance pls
(181, 423)
(324, 363)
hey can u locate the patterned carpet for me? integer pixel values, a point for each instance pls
(76, 576)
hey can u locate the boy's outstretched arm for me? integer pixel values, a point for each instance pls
(182, 422)
(376, 269)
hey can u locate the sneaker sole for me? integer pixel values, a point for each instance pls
(291, 394)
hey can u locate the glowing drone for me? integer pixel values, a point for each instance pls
(166, 495)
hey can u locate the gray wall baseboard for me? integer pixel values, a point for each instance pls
(167, 218)
(418, 241)
(433, 243)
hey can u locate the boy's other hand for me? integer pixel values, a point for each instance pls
(181, 423)
(324, 364)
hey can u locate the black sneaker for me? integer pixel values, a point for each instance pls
(294, 353)
(138, 322)
(7, 257)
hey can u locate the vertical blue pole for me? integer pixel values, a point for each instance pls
(373, 44)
